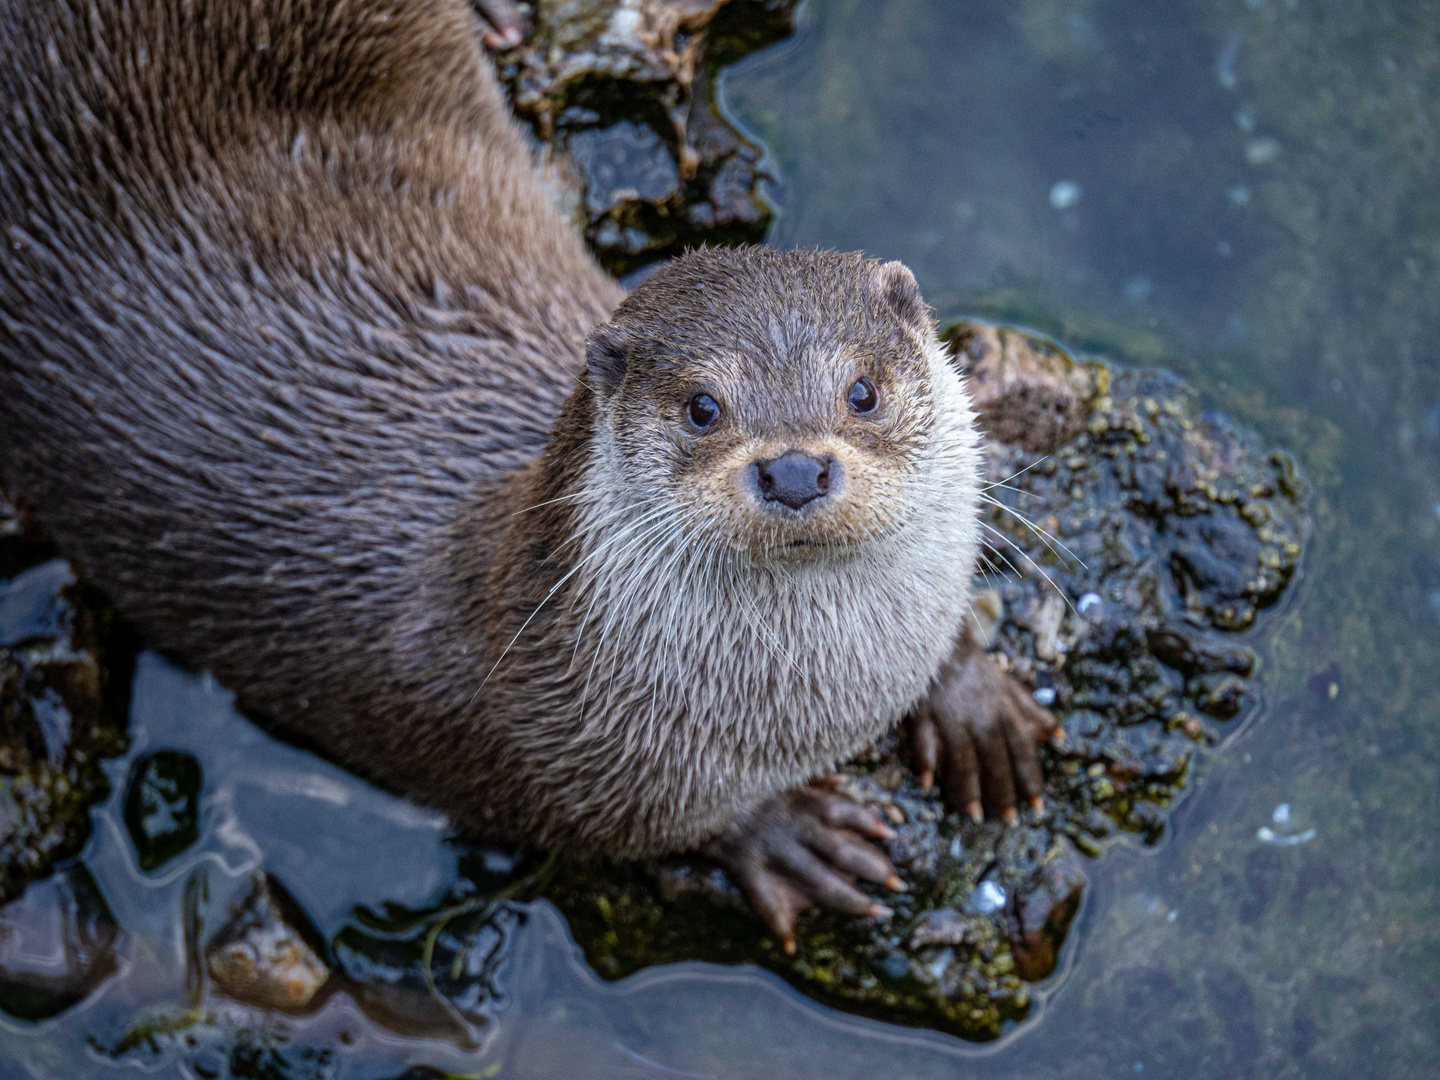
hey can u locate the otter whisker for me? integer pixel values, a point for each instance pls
(553, 589)
(1045, 537)
(550, 502)
(639, 573)
(1008, 487)
(1018, 472)
(979, 626)
(764, 634)
(595, 592)
(620, 605)
(1027, 557)
(681, 551)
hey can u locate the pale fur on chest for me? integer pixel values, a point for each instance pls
(714, 682)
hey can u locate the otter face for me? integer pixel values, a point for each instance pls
(784, 403)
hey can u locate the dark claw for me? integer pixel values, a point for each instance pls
(841, 813)
(983, 730)
(925, 745)
(800, 850)
(851, 855)
(818, 881)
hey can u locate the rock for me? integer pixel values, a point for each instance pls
(268, 955)
(1027, 393)
(945, 926)
(1041, 915)
(1187, 529)
(621, 96)
(162, 806)
(64, 689)
(57, 945)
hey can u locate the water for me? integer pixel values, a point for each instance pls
(1241, 191)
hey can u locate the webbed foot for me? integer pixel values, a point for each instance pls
(505, 25)
(980, 731)
(803, 849)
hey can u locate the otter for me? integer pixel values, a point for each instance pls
(300, 363)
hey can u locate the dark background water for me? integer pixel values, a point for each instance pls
(1243, 191)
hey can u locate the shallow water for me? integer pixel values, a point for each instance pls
(1241, 191)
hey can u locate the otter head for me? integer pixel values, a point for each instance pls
(788, 405)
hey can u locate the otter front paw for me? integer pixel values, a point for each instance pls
(805, 849)
(980, 731)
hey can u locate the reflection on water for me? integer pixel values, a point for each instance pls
(1243, 191)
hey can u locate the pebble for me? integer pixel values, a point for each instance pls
(262, 960)
(987, 898)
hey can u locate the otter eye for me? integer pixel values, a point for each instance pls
(863, 396)
(703, 410)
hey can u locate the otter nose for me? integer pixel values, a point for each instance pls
(793, 478)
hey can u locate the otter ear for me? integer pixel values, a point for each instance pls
(606, 352)
(899, 290)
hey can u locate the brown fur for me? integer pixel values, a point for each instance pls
(286, 326)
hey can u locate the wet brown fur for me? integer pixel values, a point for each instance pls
(291, 358)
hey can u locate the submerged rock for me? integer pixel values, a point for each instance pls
(162, 812)
(1129, 532)
(57, 945)
(64, 690)
(621, 94)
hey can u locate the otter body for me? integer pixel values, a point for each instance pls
(293, 358)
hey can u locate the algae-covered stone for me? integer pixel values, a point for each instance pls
(621, 93)
(1128, 534)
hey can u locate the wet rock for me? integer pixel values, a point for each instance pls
(1028, 393)
(621, 96)
(268, 955)
(57, 945)
(162, 811)
(21, 547)
(946, 926)
(1042, 915)
(1143, 531)
(64, 688)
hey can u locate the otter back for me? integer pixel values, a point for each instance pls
(279, 291)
